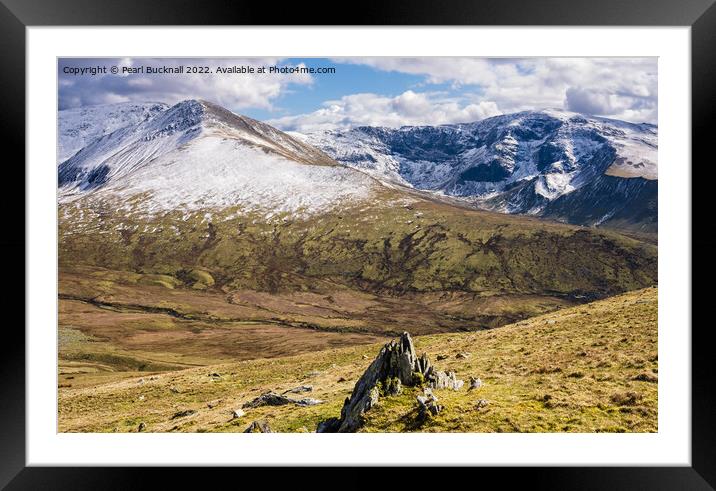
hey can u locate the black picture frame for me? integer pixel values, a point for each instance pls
(16, 15)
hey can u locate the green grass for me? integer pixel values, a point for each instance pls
(422, 247)
(528, 371)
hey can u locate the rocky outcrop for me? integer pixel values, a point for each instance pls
(444, 380)
(428, 405)
(392, 387)
(299, 389)
(258, 427)
(273, 399)
(475, 383)
(396, 365)
(184, 413)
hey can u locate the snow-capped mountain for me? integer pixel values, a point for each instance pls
(80, 126)
(526, 162)
(197, 155)
(198, 188)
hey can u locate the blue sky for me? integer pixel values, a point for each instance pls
(348, 78)
(381, 91)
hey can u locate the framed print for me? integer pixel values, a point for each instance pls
(264, 239)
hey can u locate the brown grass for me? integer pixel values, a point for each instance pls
(576, 370)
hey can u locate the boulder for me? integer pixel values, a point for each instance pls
(258, 427)
(213, 404)
(299, 389)
(183, 414)
(273, 399)
(428, 405)
(481, 403)
(237, 413)
(307, 401)
(268, 399)
(475, 383)
(443, 380)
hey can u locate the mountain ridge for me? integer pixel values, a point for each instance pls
(199, 188)
(544, 154)
(197, 154)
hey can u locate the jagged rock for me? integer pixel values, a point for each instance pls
(308, 401)
(142, 426)
(396, 360)
(237, 413)
(331, 425)
(462, 356)
(475, 383)
(183, 414)
(481, 403)
(268, 399)
(392, 387)
(428, 405)
(273, 399)
(299, 389)
(646, 377)
(258, 427)
(442, 357)
(443, 380)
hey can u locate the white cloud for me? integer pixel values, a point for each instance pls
(622, 88)
(235, 91)
(408, 108)
(450, 90)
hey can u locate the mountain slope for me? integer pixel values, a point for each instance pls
(199, 155)
(78, 127)
(591, 368)
(198, 192)
(516, 163)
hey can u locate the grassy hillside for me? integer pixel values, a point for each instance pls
(583, 369)
(396, 244)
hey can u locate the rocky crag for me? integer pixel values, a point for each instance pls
(396, 365)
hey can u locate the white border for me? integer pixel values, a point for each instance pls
(670, 446)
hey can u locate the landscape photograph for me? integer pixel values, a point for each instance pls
(342, 245)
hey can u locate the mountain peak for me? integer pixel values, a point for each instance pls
(514, 163)
(197, 153)
(80, 126)
(181, 116)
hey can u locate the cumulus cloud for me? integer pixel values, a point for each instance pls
(408, 108)
(622, 88)
(448, 90)
(235, 91)
(598, 102)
